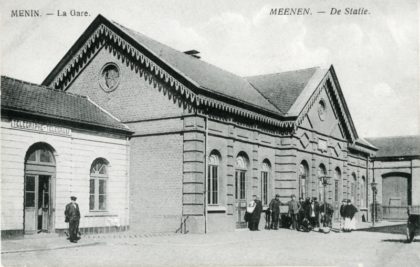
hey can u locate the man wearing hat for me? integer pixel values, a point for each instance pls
(275, 212)
(72, 214)
(294, 208)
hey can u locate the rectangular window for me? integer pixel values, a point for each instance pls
(264, 187)
(212, 185)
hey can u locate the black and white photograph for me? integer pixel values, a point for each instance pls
(210, 133)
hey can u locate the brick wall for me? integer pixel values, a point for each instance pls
(156, 183)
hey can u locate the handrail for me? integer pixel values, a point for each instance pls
(183, 227)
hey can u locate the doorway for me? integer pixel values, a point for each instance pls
(38, 189)
(37, 203)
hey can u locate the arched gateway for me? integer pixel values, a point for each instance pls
(39, 182)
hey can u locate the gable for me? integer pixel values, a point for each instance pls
(334, 119)
(322, 117)
(138, 95)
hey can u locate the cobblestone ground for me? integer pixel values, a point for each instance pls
(269, 248)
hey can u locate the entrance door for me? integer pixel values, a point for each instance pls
(38, 195)
(37, 203)
(240, 199)
(31, 202)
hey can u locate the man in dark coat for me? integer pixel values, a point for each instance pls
(255, 215)
(72, 214)
(294, 208)
(274, 208)
(317, 212)
(301, 213)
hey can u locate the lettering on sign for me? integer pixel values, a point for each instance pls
(40, 127)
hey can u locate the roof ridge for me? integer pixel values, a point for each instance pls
(41, 86)
(276, 73)
(393, 136)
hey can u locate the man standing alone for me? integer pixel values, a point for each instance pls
(275, 212)
(72, 214)
(294, 207)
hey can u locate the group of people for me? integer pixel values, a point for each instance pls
(303, 215)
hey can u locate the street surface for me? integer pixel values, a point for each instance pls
(270, 248)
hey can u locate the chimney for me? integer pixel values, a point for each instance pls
(193, 53)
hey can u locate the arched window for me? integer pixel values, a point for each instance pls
(98, 185)
(337, 179)
(303, 178)
(322, 171)
(241, 168)
(265, 174)
(353, 188)
(363, 192)
(213, 178)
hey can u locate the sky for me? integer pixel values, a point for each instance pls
(376, 56)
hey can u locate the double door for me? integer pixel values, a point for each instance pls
(37, 204)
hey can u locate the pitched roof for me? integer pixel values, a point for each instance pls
(283, 89)
(206, 75)
(17, 95)
(396, 146)
(281, 96)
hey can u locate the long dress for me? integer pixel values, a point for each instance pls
(350, 218)
(255, 216)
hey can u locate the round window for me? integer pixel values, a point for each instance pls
(109, 77)
(321, 110)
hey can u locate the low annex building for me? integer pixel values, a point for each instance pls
(201, 141)
(55, 144)
(396, 169)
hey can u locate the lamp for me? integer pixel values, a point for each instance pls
(324, 181)
(374, 191)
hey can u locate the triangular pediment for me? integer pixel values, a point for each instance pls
(325, 110)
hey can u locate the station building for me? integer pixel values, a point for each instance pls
(200, 142)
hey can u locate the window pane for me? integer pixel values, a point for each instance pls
(102, 202)
(30, 183)
(214, 186)
(209, 184)
(102, 187)
(102, 169)
(32, 156)
(242, 184)
(30, 199)
(91, 202)
(45, 156)
(236, 185)
(92, 186)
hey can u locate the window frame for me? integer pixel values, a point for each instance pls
(97, 178)
(213, 166)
